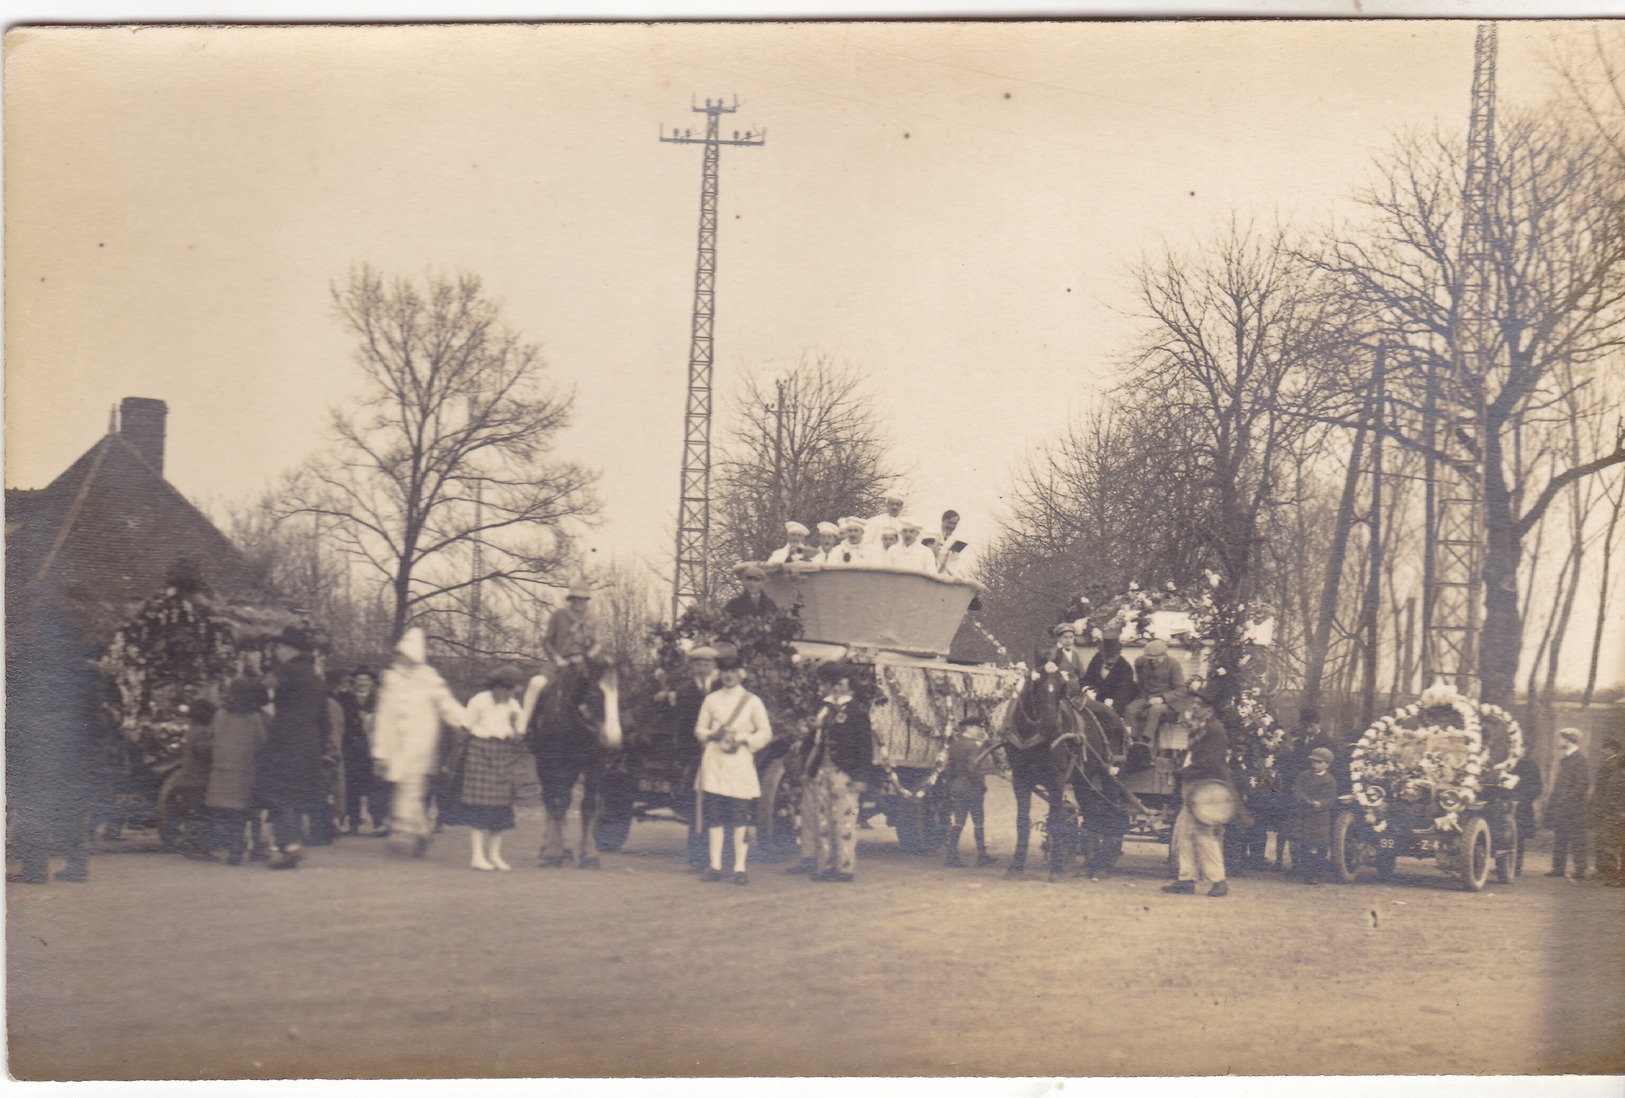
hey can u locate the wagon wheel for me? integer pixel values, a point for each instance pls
(1348, 854)
(1472, 860)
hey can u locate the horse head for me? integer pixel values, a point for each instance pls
(584, 702)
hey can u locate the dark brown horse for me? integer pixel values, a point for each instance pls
(1055, 744)
(574, 734)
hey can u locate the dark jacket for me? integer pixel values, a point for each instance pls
(743, 607)
(53, 716)
(843, 735)
(1570, 790)
(289, 767)
(1525, 793)
(685, 714)
(1310, 821)
(1115, 685)
(1210, 754)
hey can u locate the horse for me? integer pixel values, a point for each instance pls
(1055, 743)
(574, 734)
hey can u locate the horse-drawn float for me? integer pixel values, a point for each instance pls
(1433, 781)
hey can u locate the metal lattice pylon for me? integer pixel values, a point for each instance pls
(691, 582)
(1454, 600)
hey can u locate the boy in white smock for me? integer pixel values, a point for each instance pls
(733, 726)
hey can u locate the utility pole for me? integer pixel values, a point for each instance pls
(691, 582)
(1452, 606)
(476, 597)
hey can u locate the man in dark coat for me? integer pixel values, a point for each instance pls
(685, 699)
(289, 766)
(1525, 789)
(53, 719)
(1567, 809)
(753, 603)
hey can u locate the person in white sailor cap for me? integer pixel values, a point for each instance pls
(795, 546)
(852, 552)
(909, 553)
(829, 536)
(893, 511)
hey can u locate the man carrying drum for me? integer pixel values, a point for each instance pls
(1209, 802)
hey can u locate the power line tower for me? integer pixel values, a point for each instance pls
(692, 582)
(1453, 596)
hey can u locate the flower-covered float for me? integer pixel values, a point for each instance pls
(1433, 780)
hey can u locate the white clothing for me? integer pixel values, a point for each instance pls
(911, 558)
(489, 719)
(731, 774)
(413, 700)
(781, 555)
(863, 555)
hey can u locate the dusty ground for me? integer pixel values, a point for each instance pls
(359, 964)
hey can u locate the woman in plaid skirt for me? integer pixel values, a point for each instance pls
(493, 767)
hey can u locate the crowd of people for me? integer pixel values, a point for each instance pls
(890, 539)
(290, 760)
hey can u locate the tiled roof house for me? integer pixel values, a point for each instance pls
(107, 531)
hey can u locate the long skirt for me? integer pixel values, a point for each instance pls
(494, 775)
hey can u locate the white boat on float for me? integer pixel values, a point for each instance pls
(878, 609)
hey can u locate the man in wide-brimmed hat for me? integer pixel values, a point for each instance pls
(572, 631)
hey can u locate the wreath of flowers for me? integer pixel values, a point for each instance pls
(1376, 766)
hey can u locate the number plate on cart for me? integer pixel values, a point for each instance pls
(1385, 844)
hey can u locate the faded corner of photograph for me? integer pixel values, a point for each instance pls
(1096, 545)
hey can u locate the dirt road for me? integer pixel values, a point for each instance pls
(361, 964)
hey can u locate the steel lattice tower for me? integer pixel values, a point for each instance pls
(1453, 602)
(692, 581)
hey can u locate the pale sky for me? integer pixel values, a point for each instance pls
(952, 209)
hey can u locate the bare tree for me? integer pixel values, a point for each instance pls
(1555, 250)
(447, 454)
(806, 447)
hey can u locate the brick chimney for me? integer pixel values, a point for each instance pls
(141, 422)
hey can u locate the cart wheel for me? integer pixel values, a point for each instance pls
(1473, 854)
(171, 814)
(1506, 861)
(776, 810)
(1347, 856)
(615, 818)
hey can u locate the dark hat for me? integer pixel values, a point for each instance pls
(729, 661)
(295, 637)
(834, 671)
(1570, 735)
(507, 675)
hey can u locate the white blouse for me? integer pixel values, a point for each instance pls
(490, 719)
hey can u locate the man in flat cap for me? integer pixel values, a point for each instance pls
(1567, 808)
(1160, 686)
(572, 631)
(794, 547)
(753, 603)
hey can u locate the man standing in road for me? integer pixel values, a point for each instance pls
(291, 780)
(1569, 805)
(1198, 846)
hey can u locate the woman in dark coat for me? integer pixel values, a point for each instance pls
(289, 772)
(239, 731)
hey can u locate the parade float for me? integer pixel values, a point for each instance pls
(1432, 781)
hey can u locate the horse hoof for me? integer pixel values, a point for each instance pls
(589, 863)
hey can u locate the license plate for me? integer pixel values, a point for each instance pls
(648, 786)
(1385, 844)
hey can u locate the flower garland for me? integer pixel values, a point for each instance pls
(943, 695)
(1380, 764)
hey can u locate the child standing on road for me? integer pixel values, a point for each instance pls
(733, 726)
(968, 767)
(1313, 794)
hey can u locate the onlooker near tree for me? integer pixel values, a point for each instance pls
(239, 732)
(1568, 808)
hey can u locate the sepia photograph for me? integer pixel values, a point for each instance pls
(1096, 544)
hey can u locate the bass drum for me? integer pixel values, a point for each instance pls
(1212, 802)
